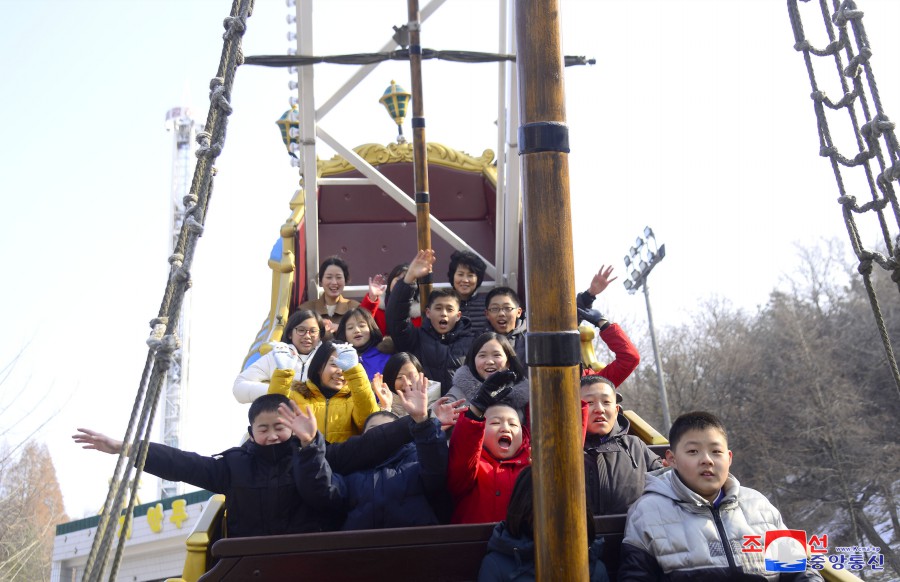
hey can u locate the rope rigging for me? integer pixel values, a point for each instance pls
(869, 136)
(163, 338)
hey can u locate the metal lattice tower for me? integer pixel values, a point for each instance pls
(184, 131)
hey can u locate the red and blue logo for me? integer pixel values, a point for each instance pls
(785, 550)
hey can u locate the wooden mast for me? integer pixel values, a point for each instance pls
(560, 515)
(420, 153)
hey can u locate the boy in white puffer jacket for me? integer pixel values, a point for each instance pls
(691, 521)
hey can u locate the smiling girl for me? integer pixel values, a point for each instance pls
(358, 328)
(491, 352)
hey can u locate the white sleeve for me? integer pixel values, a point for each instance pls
(254, 381)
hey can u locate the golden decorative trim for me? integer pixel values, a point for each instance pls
(377, 154)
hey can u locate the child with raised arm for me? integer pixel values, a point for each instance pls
(338, 390)
(627, 356)
(691, 521)
(445, 336)
(263, 495)
(402, 490)
(488, 448)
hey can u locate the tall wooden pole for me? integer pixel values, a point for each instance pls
(420, 152)
(552, 340)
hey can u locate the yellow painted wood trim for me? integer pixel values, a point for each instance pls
(642, 429)
(438, 154)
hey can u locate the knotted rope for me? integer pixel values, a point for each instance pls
(875, 141)
(163, 341)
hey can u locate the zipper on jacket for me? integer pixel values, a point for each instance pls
(325, 431)
(726, 545)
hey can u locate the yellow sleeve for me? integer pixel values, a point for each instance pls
(361, 393)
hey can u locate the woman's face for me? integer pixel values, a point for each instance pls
(333, 282)
(331, 374)
(464, 281)
(357, 331)
(305, 336)
(405, 377)
(490, 358)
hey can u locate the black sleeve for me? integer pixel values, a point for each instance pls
(317, 485)
(585, 300)
(210, 473)
(396, 314)
(638, 565)
(368, 450)
(433, 453)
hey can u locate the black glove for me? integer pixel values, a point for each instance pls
(497, 386)
(593, 316)
(584, 300)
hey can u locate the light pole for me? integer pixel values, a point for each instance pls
(641, 259)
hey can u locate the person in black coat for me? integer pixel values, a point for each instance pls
(443, 340)
(263, 491)
(404, 490)
(466, 273)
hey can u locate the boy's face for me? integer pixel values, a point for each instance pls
(443, 314)
(268, 429)
(502, 432)
(464, 281)
(502, 313)
(702, 460)
(602, 408)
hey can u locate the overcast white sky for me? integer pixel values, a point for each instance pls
(696, 120)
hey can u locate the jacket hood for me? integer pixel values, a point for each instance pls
(667, 483)
(271, 452)
(462, 328)
(517, 331)
(522, 549)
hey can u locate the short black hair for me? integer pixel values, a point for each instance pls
(375, 335)
(392, 367)
(696, 420)
(520, 511)
(337, 262)
(502, 291)
(398, 271)
(470, 260)
(299, 316)
(512, 360)
(441, 292)
(266, 403)
(392, 415)
(595, 379)
(318, 361)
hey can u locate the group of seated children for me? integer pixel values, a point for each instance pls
(337, 441)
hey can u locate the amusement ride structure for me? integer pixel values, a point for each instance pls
(513, 211)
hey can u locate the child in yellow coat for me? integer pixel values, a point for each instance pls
(338, 390)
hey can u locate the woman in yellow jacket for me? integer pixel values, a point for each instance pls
(338, 390)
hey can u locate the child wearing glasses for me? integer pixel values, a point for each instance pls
(289, 359)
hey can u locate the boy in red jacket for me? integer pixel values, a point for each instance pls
(489, 447)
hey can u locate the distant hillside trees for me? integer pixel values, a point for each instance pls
(805, 391)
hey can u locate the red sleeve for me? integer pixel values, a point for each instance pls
(465, 449)
(627, 356)
(378, 314)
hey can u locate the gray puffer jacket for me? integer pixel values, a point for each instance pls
(466, 385)
(674, 534)
(614, 469)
